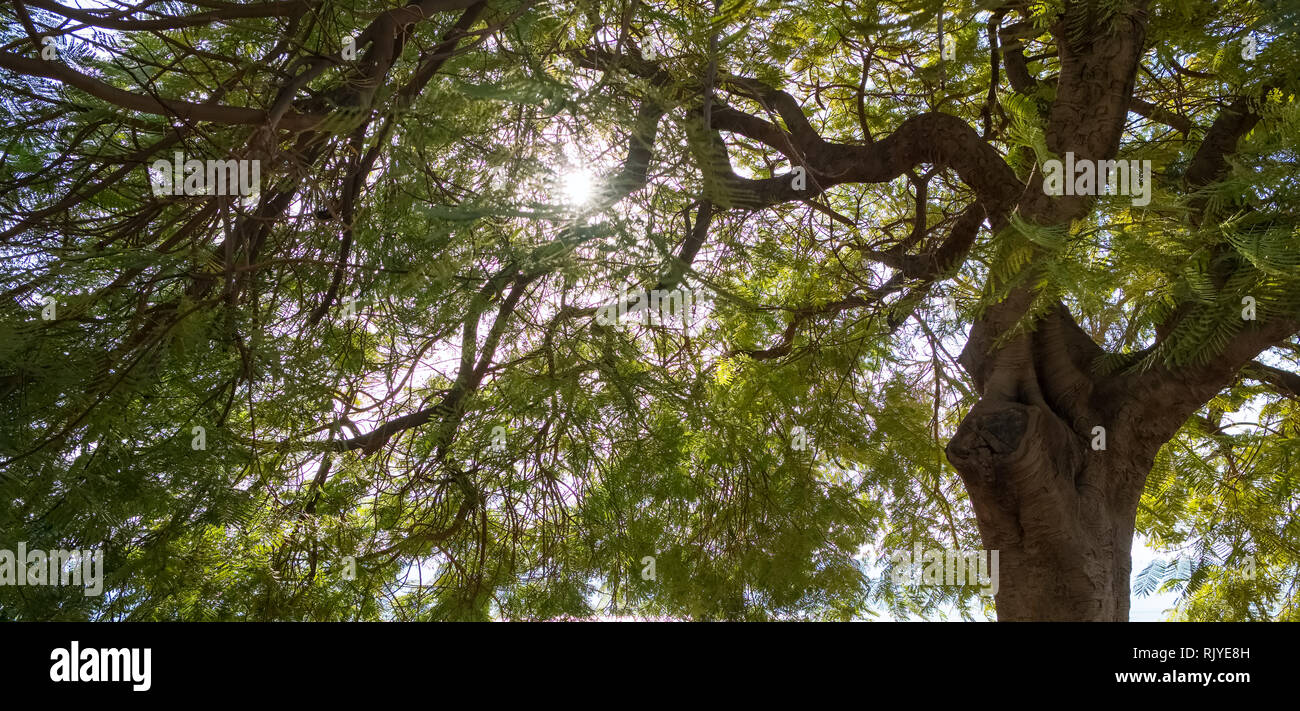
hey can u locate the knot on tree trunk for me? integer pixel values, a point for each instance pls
(1009, 446)
(1041, 498)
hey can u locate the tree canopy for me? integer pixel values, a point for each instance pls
(379, 386)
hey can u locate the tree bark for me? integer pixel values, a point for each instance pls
(1054, 495)
(1057, 500)
(1060, 514)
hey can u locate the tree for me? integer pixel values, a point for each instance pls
(1011, 275)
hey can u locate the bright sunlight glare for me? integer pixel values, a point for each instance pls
(577, 186)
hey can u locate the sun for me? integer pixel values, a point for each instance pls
(578, 187)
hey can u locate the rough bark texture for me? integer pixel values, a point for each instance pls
(1056, 500)
(1061, 511)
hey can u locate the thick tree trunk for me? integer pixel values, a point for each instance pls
(1055, 499)
(1055, 495)
(1060, 514)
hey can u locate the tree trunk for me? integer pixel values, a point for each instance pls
(1060, 514)
(1054, 459)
